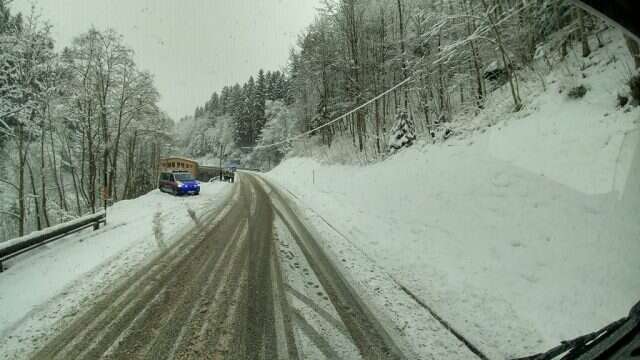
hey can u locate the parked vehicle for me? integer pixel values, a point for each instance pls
(225, 174)
(178, 183)
(229, 175)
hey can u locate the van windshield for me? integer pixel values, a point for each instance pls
(183, 177)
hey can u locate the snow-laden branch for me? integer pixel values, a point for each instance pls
(9, 183)
(10, 214)
(9, 114)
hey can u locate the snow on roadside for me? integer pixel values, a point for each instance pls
(396, 310)
(52, 282)
(522, 234)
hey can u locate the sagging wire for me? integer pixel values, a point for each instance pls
(356, 109)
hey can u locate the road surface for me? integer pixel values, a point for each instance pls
(223, 291)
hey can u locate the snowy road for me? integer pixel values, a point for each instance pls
(223, 292)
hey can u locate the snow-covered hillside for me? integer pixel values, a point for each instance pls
(53, 281)
(523, 230)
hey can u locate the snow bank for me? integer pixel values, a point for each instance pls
(77, 267)
(522, 234)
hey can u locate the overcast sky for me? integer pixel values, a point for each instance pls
(193, 47)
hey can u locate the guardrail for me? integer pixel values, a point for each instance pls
(15, 247)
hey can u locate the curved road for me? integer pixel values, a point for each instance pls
(221, 292)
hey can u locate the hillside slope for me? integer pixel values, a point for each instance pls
(523, 230)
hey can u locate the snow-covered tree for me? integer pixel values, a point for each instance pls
(281, 124)
(26, 57)
(71, 123)
(403, 133)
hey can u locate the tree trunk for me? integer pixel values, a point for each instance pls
(444, 113)
(129, 185)
(22, 154)
(105, 169)
(361, 129)
(93, 168)
(76, 190)
(356, 86)
(505, 59)
(116, 142)
(43, 182)
(352, 129)
(475, 54)
(405, 70)
(105, 146)
(383, 56)
(586, 50)
(78, 183)
(377, 106)
(35, 197)
(57, 175)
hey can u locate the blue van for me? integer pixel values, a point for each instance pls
(178, 183)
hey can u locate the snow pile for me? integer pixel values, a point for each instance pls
(52, 282)
(520, 235)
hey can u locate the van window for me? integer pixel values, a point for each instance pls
(184, 176)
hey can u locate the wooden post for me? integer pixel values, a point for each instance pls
(220, 160)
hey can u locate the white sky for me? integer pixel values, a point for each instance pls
(193, 47)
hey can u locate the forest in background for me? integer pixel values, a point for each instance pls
(455, 52)
(79, 127)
